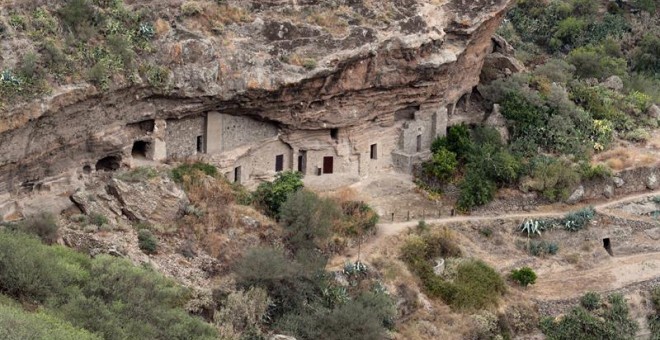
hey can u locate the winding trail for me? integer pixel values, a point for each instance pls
(385, 230)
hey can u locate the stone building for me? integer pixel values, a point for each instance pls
(248, 150)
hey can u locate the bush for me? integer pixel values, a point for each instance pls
(476, 190)
(242, 311)
(17, 324)
(610, 322)
(271, 195)
(459, 141)
(593, 62)
(147, 242)
(359, 219)
(104, 295)
(184, 170)
(362, 318)
(139, 174)
(308, 219)
(577, 220)
(98, 219)
(289, 283)
(553, 177)
(599, 171)
(654, 317)
(476, 286)
(541, 248)
(442, 165)
(43, 225)
(525, 276)
(590, 301)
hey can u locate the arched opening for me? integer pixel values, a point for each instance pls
(110, 163)
(140, 149)
(87, 169)
(607, 244)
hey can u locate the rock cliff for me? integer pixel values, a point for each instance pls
(300, 64)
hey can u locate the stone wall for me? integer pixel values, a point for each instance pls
(257, 163)
(623, 183)
(227, 132)
(181, 136)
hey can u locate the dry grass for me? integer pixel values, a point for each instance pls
(212, 17)
(162, 27)
(625, 158)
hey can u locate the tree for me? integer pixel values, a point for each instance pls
(525, 276)
(308, 219)
(271, 195)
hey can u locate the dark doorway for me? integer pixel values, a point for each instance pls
(328, 165)
(200, 144)
(607, 244)
(302, 161)
(237, 174)
(110, 163)
(374, 151)
(334, 134)
(279, 163)
(140, 149)
(419, 143)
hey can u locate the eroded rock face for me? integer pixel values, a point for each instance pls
(158, 201)
(426, 55)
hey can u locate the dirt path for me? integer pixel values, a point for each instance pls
(615, 273)
(386, 230)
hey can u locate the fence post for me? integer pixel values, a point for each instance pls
(408, 215)
(392, 217)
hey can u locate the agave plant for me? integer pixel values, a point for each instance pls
(531, 227)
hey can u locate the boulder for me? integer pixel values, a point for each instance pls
(613, 83)
(608, 192)
(652, 182)
(158, 200)
(618, 181)
(576, 196)
(497, 65)
(653, 233)
(500, 45)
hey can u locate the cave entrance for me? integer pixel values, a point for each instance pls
(140, 149)
(607, 244)
(110, 163)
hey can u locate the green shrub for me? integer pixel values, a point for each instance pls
(308, 219)
(106, 296)
(646, 5)
(459, 141)
(43, 225)
(525, 276)
(98, 219)
(139, 174)
(17, 324)
(442, 165)
(184, 170)
(593, 62)
(541, 248)
(476, 190)
(147, 242)
(552, 177)
(590, 301)
(288, 282)
(77, 15)
(271, 195)
(362, 318)
(613, 321)
(476, 286)
(577, 220)
(599, 171)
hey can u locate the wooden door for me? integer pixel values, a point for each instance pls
(328, 165)
(279, 163)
